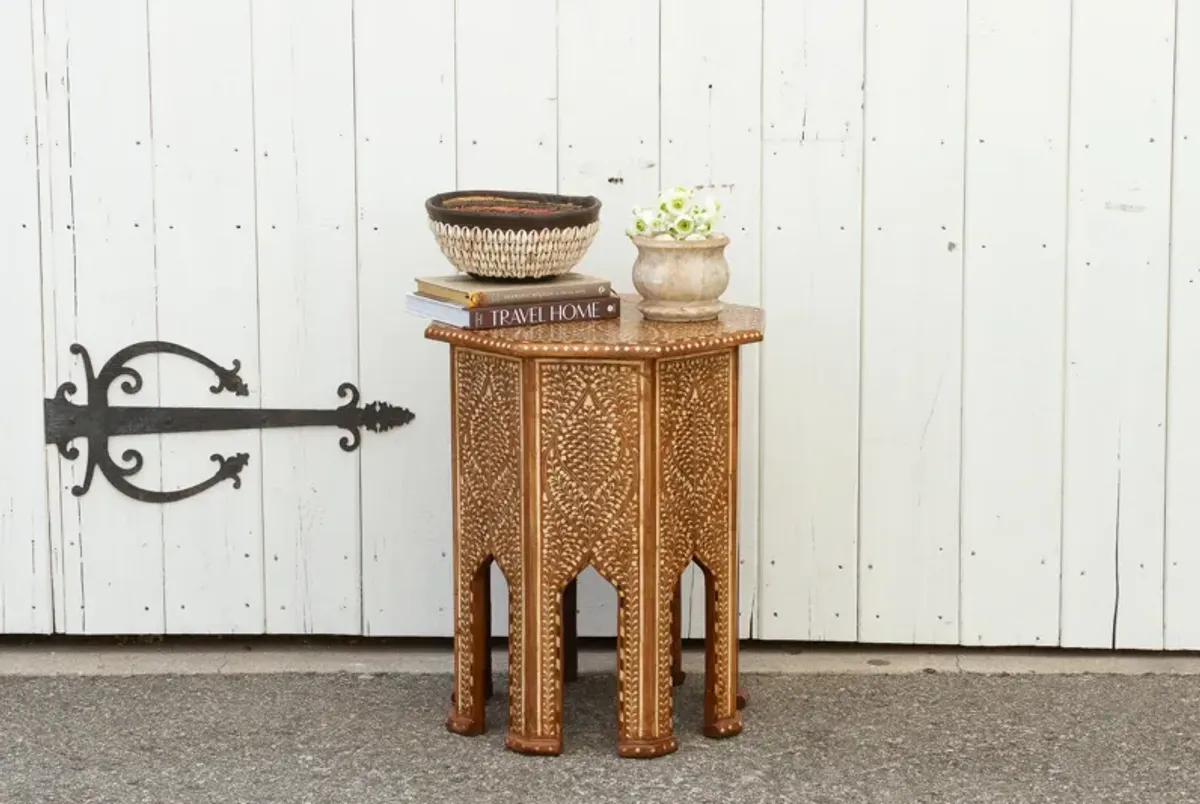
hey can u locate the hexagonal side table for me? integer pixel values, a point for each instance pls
(610, 443)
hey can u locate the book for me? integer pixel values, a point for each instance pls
(515, 315)
(471, 292)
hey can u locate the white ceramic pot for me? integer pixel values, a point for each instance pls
(680, 280)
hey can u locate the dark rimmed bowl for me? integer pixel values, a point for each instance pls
(505, 234)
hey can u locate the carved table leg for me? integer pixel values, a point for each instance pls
(535, 673)
(487, 632)
(488, 690)
(722, 717)
(470, 649)
(570, 633)
(644, 720)
(677, 674)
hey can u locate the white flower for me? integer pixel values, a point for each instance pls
(675, 201)
(645, 222)
(683, 226)
(676, 216)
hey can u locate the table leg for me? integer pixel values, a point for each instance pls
(570, 632)
(470, 649)
(722, 717)
(677, 674)
(535, 675)
(644, 721)
(488, 691)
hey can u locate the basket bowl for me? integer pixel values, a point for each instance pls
(498, 234)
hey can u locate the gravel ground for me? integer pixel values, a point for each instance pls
(362, 739)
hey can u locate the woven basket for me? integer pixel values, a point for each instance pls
(511, 235)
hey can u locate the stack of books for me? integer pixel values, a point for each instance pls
(469, 303)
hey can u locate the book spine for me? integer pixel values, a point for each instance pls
(553, 312)
(534, 293)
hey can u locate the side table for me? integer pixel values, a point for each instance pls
(611, 443)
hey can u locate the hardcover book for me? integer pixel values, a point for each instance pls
(515, 315)
(470, 292)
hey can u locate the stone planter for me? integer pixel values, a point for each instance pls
(680, 280)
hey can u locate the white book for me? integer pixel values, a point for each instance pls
(436, 310)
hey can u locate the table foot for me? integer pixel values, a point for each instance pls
(741, 699)
(488, 691)
(677, 677)
(725, 727)
(537, 746)
(648, 749)
(464, 725)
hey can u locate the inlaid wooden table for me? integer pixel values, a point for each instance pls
(611, 443)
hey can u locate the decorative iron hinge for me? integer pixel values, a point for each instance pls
(97, 421)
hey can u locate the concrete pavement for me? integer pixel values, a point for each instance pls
(363, 737)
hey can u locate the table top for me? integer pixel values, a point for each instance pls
(630, 335)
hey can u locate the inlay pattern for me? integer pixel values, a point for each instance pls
(609, 443)
(697, 407)
(589, 448)
(489, 492)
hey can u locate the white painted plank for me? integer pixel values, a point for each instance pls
(604, 63)
(1117, 292)
(711, 129)
(507, 112)
(912, 317)
(1181, 624)
(404, 67)
(25, 601)
(308, 299)
(102, 269)
(50, 104)
(507, 94)
(1014, 277)
(202, 111)
(812, 227)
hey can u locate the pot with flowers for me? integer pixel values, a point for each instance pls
(680, 270)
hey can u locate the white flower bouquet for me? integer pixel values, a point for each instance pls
(676, 217)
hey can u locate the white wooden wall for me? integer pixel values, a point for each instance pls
(975, 417)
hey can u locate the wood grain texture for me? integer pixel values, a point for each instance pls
(304, 155)
(710, 74)
(25, 598)
(100, 268)
(812, 221)
(912, 321)
(1014, 282)
(404, 101)
(1181, 558)
(202, 112)
(1117, 301)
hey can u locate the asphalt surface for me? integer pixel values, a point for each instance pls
(362, 739)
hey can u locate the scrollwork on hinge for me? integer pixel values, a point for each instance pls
(97, 421)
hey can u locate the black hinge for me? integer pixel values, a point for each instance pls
(97, 421)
